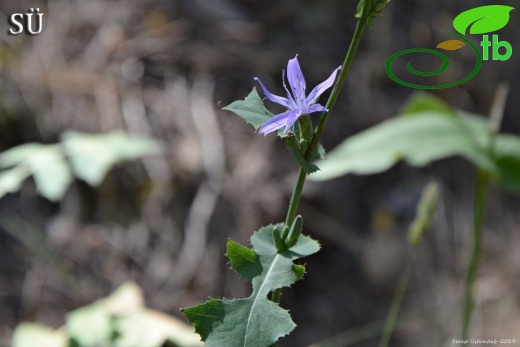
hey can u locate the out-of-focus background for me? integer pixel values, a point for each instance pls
(163, 70)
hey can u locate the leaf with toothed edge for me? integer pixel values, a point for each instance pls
(254, 321)
(251, 109)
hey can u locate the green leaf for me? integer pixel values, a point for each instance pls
(45, 162)
(51, 172)
(94, 324)
(31, 335)
(299, 270)
(483, 19)
(244, 260)
(304, 132)
(296, 152)
(419, 140)
(254, 321)
(422, 102)
(92, 156)
(148, 328)
(19, 154)
(320, 152)
(506, 151)
(251, 109)
(11, 180)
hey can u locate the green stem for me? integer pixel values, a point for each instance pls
(347, 63)
(495, 119)
(478, 218)
(331, 102)
(395, 306)
(311, 150)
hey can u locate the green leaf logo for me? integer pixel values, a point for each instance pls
(451, 45)
(483, 19)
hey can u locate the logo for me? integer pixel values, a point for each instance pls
(480, 21)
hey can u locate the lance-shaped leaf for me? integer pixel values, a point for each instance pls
(254, 321)
(483, 19)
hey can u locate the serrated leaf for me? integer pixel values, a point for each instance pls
(506, 151)
(418, 140)
(483, 19)
(299, 270)
(254, 321)
(251, 109)
(92, 156)
(31, 335)
(244, 260)
(451, 45)
(240, 323)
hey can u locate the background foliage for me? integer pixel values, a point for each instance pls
(162, 70)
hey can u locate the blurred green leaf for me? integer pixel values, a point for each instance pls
(32, 335)
(93, 324)
(92, 156)
(506, 151)
(51, 172)
(148, 328)
(45, 162)
(422, 102)
(19, 154)
(320, 152)
(419, 140)
(11, 180)
(119, 320)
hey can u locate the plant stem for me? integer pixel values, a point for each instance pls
(478, 217)
(395, 306)
(311, 150)
(331, 102)
(495, 119)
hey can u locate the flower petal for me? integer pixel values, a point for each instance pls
(274, 98)
(275, 123)
(291, 120)
(320, 88)
(296, 80)
(315, 108)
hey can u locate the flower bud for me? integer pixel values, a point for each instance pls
(294, 233)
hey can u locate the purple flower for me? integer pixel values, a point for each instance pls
(296, 103)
